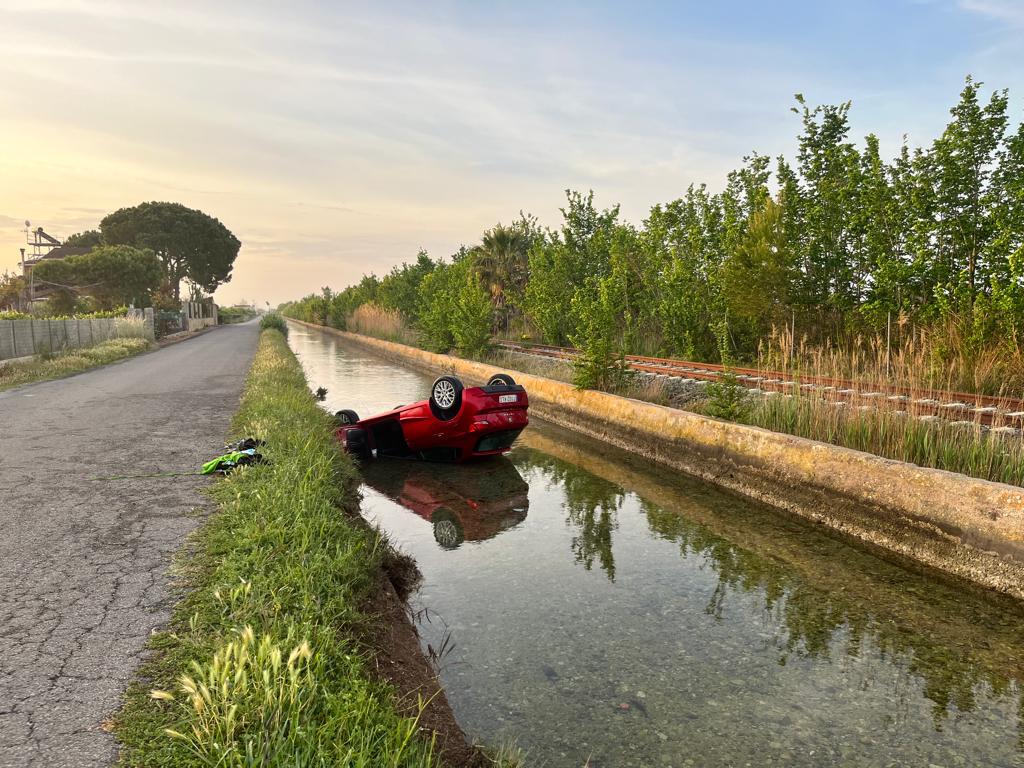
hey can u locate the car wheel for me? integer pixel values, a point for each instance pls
(448, 530)
(355, 442)
(445, 397)
(501, 379)
(345, 417)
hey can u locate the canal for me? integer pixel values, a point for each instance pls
(586, 605)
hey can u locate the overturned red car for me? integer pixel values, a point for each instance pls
(454, 424)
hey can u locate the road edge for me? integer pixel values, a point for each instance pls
(366, 649)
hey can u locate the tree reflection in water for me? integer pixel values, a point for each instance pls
(591, 504)
(825, 605)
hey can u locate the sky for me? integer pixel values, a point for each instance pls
(338, 138)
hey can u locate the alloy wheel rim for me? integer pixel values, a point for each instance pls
(446, 533)
(444, 394)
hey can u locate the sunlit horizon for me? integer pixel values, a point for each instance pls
(335, 140)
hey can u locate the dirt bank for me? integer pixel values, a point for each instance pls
(968, 528)
(398, 658)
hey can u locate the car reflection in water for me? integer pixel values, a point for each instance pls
(464, 502)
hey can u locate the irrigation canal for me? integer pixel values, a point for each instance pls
(587, 605)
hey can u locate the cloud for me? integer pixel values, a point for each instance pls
(335, 139)
(1010, 11)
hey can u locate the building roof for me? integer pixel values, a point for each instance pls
(63, 251)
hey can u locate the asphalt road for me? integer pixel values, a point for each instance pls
(83, 562)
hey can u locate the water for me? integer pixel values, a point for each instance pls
(587, 605)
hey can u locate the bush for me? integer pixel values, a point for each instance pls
(275, 321)
(601, 363)
(727, 399)
(471, 321)
(437, 296)
(230, 315)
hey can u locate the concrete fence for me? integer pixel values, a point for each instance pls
(24, 338)
(198, 314)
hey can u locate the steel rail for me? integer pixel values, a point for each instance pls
(987, 410)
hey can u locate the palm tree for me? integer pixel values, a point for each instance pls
(502, 259)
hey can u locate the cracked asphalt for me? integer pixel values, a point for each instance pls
(84, 562)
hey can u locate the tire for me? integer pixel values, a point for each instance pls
(501, 379)
(448, 530)
(345, 417)
(355, 441)
(445, 397)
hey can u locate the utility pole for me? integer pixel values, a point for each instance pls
(21, 293)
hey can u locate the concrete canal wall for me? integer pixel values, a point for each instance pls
(972, 529)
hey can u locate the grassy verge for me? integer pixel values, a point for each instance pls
(962, 447)
(891, 430)
(18, 373)
(261, 664)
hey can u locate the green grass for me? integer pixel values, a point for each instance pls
(263, 662)
(884, 431)
(275, 321)
(893, 434)
(41, 368)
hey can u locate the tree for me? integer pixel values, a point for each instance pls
(687, 241)
(190, 244)
(399, 288)
(550, 290)
(963, 161)
(829, 165)
(756, 279)
(604, 320)
(503, 261)
(438, 296)
(113, 275)
(563, 262)
(471, 320)
(58, 275)
(117, 275)
(12, 288)
(90, 238)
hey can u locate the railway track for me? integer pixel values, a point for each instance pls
(962, 408)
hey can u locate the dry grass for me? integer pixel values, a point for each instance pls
(895, 429)
(924, 365)
(372, 320)
(548, 367)
(15, 374)
(132, 328)
(924, 361)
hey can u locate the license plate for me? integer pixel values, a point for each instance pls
(507, 398)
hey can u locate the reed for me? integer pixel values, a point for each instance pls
(891, 410)
(387, 324)
(132, 328)
(923, 360)
(895, 430)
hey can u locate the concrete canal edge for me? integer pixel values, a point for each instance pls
(969, 528)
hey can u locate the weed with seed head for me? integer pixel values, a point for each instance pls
(263, 663)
